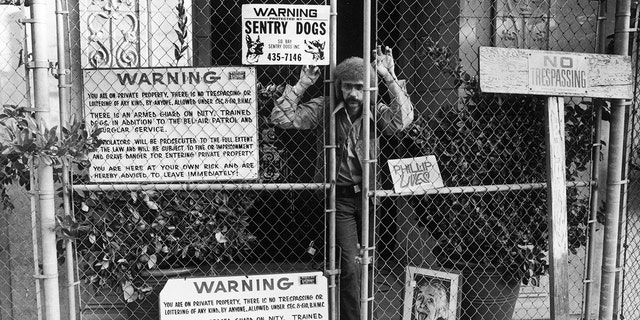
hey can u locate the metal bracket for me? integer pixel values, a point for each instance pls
(619, 182)
(369, 260)
(333, 272)
(361, 260)
(612, 270)
(45, 276)
(57, 72)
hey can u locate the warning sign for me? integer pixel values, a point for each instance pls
(285, 34)
(294, 296)
(173, 124)
(555, 73)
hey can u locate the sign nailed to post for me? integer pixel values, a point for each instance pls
(554, 73)
(173, 124)
(285, 34)
(294, 296)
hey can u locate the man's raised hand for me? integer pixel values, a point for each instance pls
(309, 75)
(385, 64)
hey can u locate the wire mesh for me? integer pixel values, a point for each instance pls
(493, 242)
(18, 293)
(479, 140)
(133, 220)
(224, 191)
(630, 275)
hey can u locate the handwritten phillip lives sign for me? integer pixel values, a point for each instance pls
(415, 174)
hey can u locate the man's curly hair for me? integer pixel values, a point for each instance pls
(352, 69)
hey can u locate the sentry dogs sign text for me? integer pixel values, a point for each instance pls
(285, 34)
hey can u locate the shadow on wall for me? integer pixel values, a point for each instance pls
(17, 290)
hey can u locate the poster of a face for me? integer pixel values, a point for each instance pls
(430, 295)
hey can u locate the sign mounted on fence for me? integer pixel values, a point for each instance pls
(173, 124)
(415, 175)
(258, 297)
(285, 34)
(554, 73)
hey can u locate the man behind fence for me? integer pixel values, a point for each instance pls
(290, 113)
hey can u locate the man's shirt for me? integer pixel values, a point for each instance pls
(290, 113)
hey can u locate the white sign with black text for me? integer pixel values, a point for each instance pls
(415, 175)
(285, 34)
(287, 296)
(173, 124)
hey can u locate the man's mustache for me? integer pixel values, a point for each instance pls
(350, 100)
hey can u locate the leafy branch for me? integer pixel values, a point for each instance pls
(181, 47)
(495, 139)
(25, 141)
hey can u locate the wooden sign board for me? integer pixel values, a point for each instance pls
(554, 73)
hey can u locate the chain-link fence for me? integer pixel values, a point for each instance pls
(490, 231)
(196, 178)
(630, 274)
(18, 296)
(193, 177)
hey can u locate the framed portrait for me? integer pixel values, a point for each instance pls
(431, 294)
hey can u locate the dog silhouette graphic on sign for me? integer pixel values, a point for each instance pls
(316, 48)
(254, 49)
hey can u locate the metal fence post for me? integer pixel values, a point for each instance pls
(63, 98)
(616, 176)
(365, 298)
(45, 171)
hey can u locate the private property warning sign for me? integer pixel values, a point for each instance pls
(293, 296)
(285, 34)
(555, 73)
(173, 124)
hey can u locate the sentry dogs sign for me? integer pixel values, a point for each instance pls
(555, 73)
(285, 34)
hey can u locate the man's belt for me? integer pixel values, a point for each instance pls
(348, 191)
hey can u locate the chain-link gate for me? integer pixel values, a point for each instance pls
(487, 229)
(264, 213)
(146, 210)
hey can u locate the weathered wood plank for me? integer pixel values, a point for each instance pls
(557, 208)
(555, 73)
